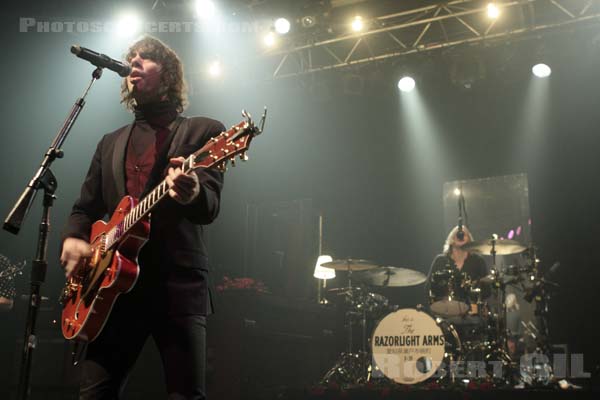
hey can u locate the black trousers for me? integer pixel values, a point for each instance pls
(181, 341)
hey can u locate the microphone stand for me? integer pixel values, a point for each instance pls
(43, 179)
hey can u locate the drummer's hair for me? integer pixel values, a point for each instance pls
(452, 237)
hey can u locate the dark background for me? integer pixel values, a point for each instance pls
(371, 160)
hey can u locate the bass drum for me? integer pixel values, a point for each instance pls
(409, 346)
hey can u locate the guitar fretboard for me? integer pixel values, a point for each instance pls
(142, 209)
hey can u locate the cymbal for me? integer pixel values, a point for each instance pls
(344, 290)
(350, 265)
(503, 247)
(392, 277)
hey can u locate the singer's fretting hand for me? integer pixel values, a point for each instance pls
(183, 188)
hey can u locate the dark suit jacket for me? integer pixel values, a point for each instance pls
(176, 254)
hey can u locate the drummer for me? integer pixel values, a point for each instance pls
(454, 258)
(472, 264)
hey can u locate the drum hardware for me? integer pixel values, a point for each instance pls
(542, 293)
(497, 349)
(349, 369)
(448, 292)
(392, 277)
(8, 290)
(353, 368)
(456, 298)
(535, 369)
(495, 246)
(516, 270)
(487, 339)
(350, 265)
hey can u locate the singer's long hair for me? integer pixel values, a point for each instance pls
(451, 239)
(172, 83)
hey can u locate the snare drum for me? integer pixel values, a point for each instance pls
(449, 293)
(409, 346)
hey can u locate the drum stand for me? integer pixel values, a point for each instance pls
(352, 368)
(498, 351)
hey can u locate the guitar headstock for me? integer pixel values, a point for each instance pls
(228, 145)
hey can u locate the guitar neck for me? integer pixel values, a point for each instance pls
(142, 208)
(216, 152)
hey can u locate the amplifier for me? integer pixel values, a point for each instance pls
(260, 345)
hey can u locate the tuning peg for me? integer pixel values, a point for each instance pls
(222, 167)
(244, 157)
(233, 162)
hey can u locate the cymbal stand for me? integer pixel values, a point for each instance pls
(348, 320)
(351, 368)
(541, 296)
(501, 345)
(501, 295)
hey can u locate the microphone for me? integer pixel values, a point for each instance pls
(460, 235)
(101, 60)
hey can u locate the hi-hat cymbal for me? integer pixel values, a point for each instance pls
(392, 276)
(350, 265)
(502, 246)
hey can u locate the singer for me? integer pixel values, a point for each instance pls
(171, 299)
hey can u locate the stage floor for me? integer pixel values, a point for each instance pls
(407, 393)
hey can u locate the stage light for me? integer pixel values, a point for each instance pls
(457, 192)
(308, 21)
(282, 26)
(128, 24)
(357, 24)
(406, 84)
(541, 70)
(205, 9)
(493, 11)
(269, 39)
(214, 69)
(323, 272)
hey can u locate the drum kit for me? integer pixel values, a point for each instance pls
(464, 322)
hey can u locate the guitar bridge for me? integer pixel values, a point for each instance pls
(68, 292)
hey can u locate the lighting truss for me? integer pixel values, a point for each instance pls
(427, 28)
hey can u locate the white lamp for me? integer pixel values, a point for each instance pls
(322, 272)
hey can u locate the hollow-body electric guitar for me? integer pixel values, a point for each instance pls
(93, 287)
